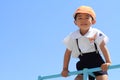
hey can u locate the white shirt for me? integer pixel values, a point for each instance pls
(85, 44)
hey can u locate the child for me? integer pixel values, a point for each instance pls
(86, 44)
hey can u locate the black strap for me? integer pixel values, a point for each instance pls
(78, 46)
(96, 48)
(80, 49)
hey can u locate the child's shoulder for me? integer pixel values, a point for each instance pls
(94, 29)
(75, 34)
(97, 30)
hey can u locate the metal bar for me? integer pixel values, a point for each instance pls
(85, 72)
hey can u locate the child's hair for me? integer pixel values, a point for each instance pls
(86, 9)
(79, 13)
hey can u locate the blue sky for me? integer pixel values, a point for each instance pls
(32, 31)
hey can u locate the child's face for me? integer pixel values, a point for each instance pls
(83, 21)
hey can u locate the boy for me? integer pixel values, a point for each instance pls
(86, 44)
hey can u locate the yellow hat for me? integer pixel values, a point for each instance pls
(88, 10)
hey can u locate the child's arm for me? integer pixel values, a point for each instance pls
(67, 56)
(106, 55)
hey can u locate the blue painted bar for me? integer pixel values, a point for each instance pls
(84, 71)
(85, 74)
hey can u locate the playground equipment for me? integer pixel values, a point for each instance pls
(85, 73)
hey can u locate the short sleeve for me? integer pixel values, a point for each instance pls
(68, 41)
(100, 37)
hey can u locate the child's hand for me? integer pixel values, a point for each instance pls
(64, 73)
(105, 66)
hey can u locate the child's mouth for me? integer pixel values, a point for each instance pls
(83, 24)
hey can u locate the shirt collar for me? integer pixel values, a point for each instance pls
(76, 34)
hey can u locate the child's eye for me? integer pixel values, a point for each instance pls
(79, 18)
(87, 17)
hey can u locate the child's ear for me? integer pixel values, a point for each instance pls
(75, 22)
(93, 21)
